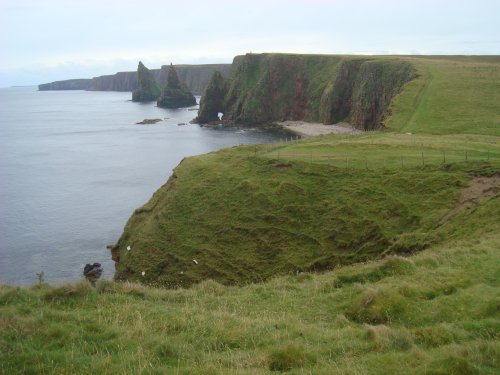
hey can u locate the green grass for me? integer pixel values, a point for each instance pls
(452, 95)
(246, 214)
(436, 312)
(398, 292)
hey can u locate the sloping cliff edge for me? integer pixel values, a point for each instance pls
(320, 88)
(195, 77)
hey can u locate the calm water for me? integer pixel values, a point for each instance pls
(73, 167)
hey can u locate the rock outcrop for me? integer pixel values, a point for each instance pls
(175, 94)
(147, 88)
(195, 77)
(69, 84)
(212, 103)
(275, 87)
(92, 272)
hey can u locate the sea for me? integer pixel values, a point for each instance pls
(73, 167)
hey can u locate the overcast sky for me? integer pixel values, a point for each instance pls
(47, 40)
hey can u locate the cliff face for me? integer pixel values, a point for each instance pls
(175, 94)
(70, 84)
(363, 90)
(147, 88)
(195, 77)
(121, 81)
(266, 88)
(275, 87)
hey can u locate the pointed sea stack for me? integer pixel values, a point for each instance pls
(175, 94)
(147, 88)
(212, 101)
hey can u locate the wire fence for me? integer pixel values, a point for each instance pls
(405, 155)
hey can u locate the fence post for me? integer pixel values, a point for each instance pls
(444, 157)
(347, 165)
(423, 161)
(466, 156)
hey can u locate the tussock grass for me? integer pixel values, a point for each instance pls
(432, 312)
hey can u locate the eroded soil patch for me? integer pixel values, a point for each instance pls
(479, 189)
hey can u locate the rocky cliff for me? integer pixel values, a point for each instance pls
(175, 94)
(276, 87)
(121, 81)
(147, 88)
(69, 84)
(195, 77)
(213, 100)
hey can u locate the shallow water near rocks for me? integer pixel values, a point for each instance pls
(74, 166)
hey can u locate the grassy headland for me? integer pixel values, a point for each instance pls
(403, 227)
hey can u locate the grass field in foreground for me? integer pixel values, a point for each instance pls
(436, 313)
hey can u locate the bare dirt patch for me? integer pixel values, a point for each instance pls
(311, 129)
(481, 188)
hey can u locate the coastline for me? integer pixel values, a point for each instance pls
(311, 129)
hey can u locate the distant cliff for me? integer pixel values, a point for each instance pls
(321, 88)
(69, 84)
(121, 81)
(195, 77)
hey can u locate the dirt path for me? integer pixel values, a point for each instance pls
(480, 188)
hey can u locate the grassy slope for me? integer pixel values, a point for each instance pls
(248, 213)
(452, 95)
(436, 312)
(433, 313)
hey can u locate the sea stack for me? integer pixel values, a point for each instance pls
(175, 94)
(212, 102)
(147, 88)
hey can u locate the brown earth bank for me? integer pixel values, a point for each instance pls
(479, 189)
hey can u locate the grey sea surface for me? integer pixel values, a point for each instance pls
(74, 166)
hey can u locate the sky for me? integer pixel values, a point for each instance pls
(47, 40)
